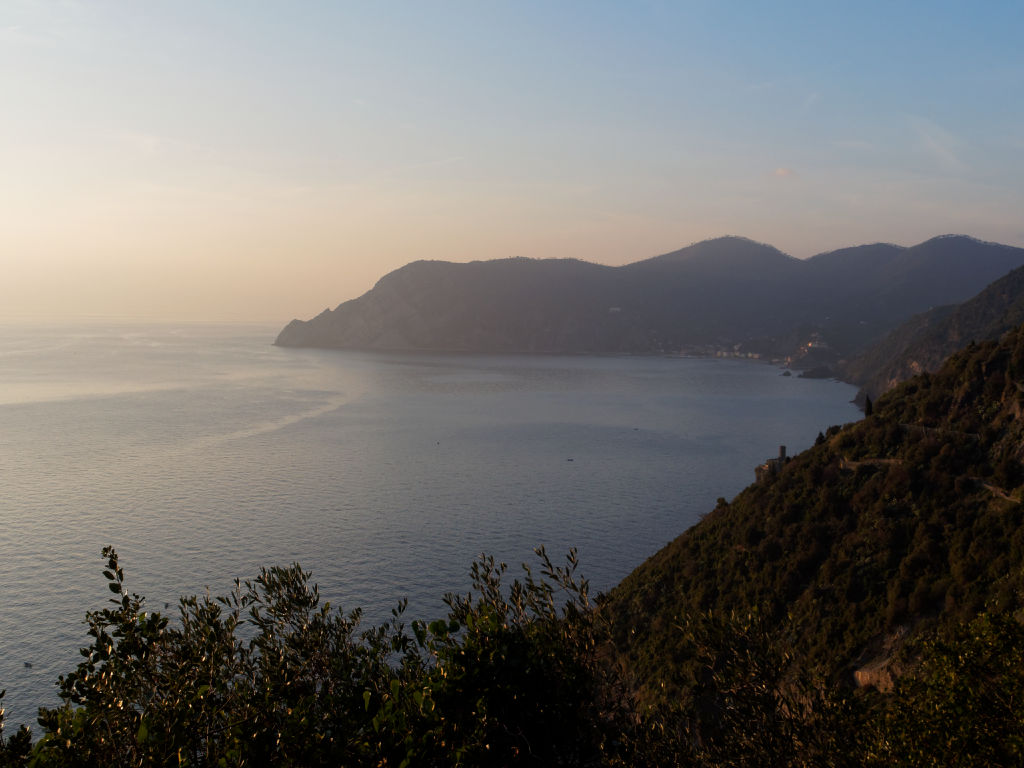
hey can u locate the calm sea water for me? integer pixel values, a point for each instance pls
(202, 453)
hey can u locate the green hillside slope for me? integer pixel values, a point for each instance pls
(907, 520)
(924, 341)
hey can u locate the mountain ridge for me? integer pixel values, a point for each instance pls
(923, 342)
(713, 294)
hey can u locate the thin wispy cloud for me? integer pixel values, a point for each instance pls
(41, 23)
(147, 146)
(782, 172)
(858, 145)
(811, 100)
(16, 34)
(142, 143)
(938, 143)
(436, 163)
(422, 165)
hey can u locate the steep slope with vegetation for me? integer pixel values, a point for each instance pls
(872, 289)
(924, 341)
(906, 521)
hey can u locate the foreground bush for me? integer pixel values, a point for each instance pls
(270, 675)
(515, 674)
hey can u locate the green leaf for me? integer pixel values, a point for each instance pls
(438, 628)
(143, 735)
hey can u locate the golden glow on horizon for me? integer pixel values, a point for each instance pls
(153, 165)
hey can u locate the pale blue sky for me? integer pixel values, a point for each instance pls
(264, 160)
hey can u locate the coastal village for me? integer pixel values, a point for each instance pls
(812, 353)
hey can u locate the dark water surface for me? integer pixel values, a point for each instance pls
(202, 453)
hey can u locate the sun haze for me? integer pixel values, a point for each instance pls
(191, 160)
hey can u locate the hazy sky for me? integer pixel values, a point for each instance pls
(265, 160)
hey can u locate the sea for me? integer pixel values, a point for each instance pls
(202, 453)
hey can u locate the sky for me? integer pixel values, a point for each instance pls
(261, 161)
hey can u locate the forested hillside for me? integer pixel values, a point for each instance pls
(906, 521)
(924, 341)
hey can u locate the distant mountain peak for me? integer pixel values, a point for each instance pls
(954, 236)
(709, 296)
(736, 239)
(731, 249)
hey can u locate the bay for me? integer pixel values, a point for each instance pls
(202, 452)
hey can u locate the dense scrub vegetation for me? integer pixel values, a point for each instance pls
(519, 674)
(269, 675)
(907, 521)
(926, 340)
(860, 607)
